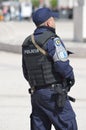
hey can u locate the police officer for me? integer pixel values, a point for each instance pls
(46, 67)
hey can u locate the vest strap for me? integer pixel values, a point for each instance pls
(37, 46)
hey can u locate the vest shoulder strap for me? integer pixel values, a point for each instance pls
(37, 46)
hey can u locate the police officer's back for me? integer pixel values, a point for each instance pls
(46, 67)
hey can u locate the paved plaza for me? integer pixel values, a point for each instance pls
(12, 35)
(15, 105)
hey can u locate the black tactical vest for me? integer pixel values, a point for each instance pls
(40, 67)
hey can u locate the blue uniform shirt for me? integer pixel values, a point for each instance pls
(63, 67)
(61, 64)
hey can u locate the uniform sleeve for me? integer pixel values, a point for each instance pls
(59, 55)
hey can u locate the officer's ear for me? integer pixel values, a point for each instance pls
(50, 22)
(47, 23)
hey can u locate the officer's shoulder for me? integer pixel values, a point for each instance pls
(27, 39)
(54, 39)
(50, 40)
(44, 37)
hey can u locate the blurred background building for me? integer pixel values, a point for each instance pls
(62, 9)
(23, 9)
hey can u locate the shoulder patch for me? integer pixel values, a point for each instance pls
(60, 52)
(57, 41)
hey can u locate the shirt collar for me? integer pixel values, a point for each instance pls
(44, 28)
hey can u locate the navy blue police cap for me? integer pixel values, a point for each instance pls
(41, 15)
